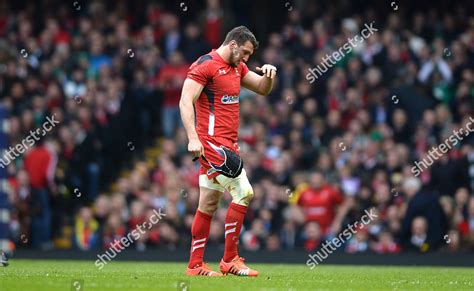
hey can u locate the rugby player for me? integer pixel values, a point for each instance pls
(212, 86)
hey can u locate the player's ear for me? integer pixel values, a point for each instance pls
(233, 44)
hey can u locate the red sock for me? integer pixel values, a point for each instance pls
(233, 225)
(200, 233)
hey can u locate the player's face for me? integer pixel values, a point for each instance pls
(241, 53)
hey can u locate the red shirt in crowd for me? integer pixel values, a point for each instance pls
(319, 205)
(172, 77)
(39, 164)
(212, 30)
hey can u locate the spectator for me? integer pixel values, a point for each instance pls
(385, 244)
(312, 236)
(86, 235)
(193, 45)
(419, 237)
(21, 223)
(359, 243)
(322, 204)
(424, 224)
(114, 230)
(170, 80)
(40, 165)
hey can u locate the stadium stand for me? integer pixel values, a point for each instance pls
(112, 75)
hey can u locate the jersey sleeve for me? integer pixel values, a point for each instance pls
(199, 73)
(243, 70)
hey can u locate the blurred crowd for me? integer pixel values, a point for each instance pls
(318, 155)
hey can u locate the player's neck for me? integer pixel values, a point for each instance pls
(225, 53)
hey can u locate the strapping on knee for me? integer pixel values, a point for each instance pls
(239, 188)
(241, 192)
(243, 198)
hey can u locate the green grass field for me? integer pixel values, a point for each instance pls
(82, 275)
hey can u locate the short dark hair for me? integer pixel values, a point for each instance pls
(241, 35)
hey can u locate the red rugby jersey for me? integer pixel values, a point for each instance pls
(319, 205)
(217, 108)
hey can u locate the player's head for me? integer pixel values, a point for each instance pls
(241, 42)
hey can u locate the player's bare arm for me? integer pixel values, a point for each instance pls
(190, 93)
(260, 84)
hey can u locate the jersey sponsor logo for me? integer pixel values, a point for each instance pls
(222, 72)
(226, 99)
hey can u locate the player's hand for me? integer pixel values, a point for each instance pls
(195, 147)
(268, 71)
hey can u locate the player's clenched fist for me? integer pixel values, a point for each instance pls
(195, 147)
(268, 70)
